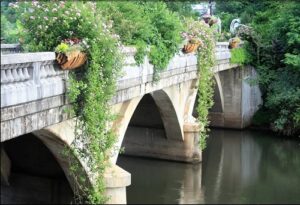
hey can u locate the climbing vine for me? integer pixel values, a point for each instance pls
(206, 60)
(89, 89)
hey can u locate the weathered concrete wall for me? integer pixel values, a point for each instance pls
(151, 142)
(241, 99)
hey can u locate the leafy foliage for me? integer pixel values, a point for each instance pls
(275, 53)
(206, 60)
(146, 25)
(90, 89)
(183, 8)
(239, 56)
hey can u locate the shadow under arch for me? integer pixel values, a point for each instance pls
(37, 176)
(154, 110)
(58, 145)
(218, 98)
(151, 122)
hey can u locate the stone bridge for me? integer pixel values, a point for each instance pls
(154, 119)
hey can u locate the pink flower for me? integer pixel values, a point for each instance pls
(35, 3)
(46, 18)
(32, 17)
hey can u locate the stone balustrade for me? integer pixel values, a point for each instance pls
(28, 77)
(33, 86)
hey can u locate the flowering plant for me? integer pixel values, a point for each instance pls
(206, 60)
(71, 44)
(54, 21)
(197, 32)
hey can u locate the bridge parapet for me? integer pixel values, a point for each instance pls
(27, 77)
(33, 86)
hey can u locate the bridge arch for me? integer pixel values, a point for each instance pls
(146, 115)
(218, 98)
(168, 114)
(218, 95)
(58, 139)
(36, 172)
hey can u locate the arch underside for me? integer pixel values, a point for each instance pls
(36, 173)
(218, 98)
(154, 130)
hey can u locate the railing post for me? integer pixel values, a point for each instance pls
(36, 73)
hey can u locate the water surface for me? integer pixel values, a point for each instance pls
(237, 167)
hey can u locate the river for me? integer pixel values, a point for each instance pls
(238, 167)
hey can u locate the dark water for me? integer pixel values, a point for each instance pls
(237, 167)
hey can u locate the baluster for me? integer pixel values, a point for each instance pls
(15, 75)
(26, 74)
(43, 73)
(20, 74)
(51, 67)
(48, 73)
(9, 76)
(4, 78)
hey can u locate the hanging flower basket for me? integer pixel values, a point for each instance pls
(234, 42)
(192, 46)
(71, 60)
(70, 55)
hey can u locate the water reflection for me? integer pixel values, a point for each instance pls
(238, 167)
(157, 181)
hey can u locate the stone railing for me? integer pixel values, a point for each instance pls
(33, 86)
(222, 51)
(28, 77)
(10, 48)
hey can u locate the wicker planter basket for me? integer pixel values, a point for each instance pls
(234, 43)
(71, 60)
(192, 46)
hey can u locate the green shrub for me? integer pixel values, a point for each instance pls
(10, 31)
(146, 24)
(239, 56)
